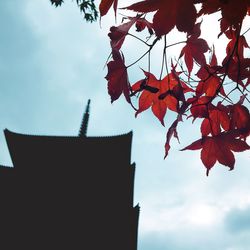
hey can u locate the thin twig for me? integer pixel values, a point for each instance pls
(163, 57)
(150, 48)
(246, 31)
(138, 38)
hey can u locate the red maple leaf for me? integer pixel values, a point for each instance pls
(210, 86)
(211, 83)
(199, 107)
(218, 119)
(218, 148)
(118, 34)
(153, 88)
(232, 11)
(239, 70)
(194, 49)
(172, 131)
(240, 119)
(235, 65)
(179, 13)
(209, 69)
(105, 5)
(241, 45)
(117, 77)
(142, 23)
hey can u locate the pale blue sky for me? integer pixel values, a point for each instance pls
(51, 63)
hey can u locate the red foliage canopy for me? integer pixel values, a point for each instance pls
(200, 88)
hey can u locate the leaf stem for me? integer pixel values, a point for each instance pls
(163, 56)
(150, 48)
(138, 38)
(246, 31)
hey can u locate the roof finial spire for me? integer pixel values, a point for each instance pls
(85, 120)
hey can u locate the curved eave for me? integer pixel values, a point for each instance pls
(6, 171)
(5, 167)
(23, 146)
(9, 133)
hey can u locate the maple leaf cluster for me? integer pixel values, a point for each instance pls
(194, 86)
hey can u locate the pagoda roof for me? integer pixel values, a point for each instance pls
(120, 137)
(25, 148)
(5, 169)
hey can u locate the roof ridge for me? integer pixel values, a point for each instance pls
(69, 136)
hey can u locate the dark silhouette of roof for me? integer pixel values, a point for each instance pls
(68, 193)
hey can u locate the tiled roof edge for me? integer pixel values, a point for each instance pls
(130, 133)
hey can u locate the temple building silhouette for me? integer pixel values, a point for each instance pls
(68, 192)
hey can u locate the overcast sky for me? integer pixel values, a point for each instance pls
(51, 63)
